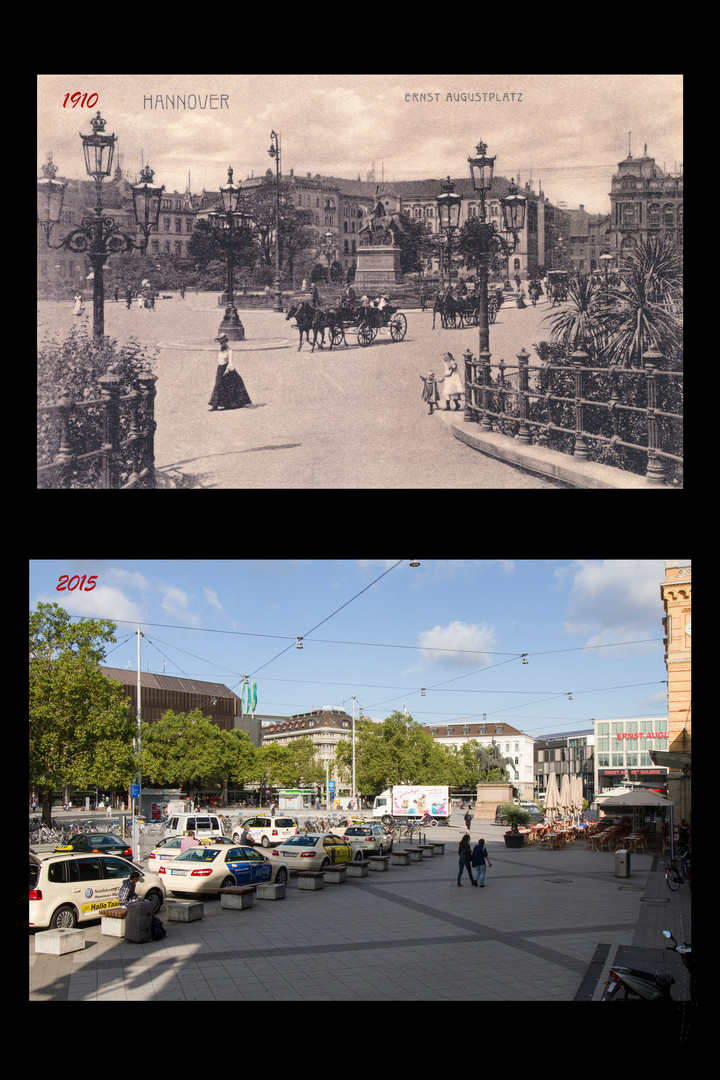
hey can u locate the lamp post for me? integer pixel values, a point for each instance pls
(98, 236)
(225, 219)
(490, 240)
(449, 206)
(274, 152)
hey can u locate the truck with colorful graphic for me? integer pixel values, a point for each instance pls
(407, 802)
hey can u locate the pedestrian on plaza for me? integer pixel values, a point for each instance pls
(430, 390)
(188, 841)
(78, 309)
(480, 860)
(246, 837)
(453, 388)
(465, 860)
(128, 297)
(127, 889)
(683, 835)
(521, 299)
(468, 819)
(229, 391)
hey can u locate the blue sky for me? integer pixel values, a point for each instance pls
(457, 628)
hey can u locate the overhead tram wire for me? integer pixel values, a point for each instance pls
(328, 617)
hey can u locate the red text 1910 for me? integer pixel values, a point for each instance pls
(75, 582)
(90, 100)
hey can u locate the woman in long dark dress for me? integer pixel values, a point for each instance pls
(229, 391)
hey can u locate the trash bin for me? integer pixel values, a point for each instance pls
(622, 863)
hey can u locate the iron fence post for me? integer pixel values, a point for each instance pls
(111, 384)
(484, 359)
(652, 360)
(581, 452)
(523, 435)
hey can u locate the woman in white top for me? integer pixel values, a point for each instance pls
(229, 391)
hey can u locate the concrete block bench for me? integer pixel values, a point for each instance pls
(358, 868)
(112, 923)
(427, 851)
(438, 847)
(271, 890)
(335, 875)
(237, 896)
(379, 862)
(185, 910)
(400, 858)
(311, 879)
(415, 854)
(59, 942)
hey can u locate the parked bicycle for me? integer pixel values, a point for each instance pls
(677, 871)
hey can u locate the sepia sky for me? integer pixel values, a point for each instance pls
(566, 132)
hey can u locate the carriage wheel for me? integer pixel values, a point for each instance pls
(365, 333)
(398, 327)
(337, 336)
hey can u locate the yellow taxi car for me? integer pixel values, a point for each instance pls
(313, 851)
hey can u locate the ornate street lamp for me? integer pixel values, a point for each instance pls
(226, 219)
(147, 198)
(449, 206)
(490, 240)
(274, 152)
(98, 236)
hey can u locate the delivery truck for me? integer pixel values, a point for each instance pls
(406, 802)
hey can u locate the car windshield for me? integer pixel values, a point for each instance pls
(198, 854)
(301, 841)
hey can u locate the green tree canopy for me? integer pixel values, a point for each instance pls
(80, 729)
(396, 751)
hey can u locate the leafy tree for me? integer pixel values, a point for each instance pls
(397, 751)
(646, 307)
(188, 748)
(581, 324)
(80, 730)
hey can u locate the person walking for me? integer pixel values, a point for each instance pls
(464, 860)
(229, 391)
(430, 391)
(78, 309)
(480, 861)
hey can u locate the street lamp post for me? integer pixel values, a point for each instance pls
(98, 236)
(274, 152)
(225, 219)
(513, 207)
(449, 206)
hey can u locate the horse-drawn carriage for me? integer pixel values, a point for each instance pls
(557, 284)
(365, 320)
(461, 311)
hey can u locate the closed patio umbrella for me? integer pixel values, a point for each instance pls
(552, 797)
(565, 801)
(576, 789)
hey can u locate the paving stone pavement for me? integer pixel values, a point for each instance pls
(533, 934)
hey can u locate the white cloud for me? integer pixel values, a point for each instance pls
(212, 598)
(613, 600)
(462, 643)
(174, 601)
(102, 602)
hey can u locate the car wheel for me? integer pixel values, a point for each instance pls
(325, 864)
(265, 842)
(228, 883)
(281, 876)
(156, 899)
(359, 856)
(65, 918)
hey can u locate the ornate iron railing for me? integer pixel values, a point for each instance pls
(103, 442)
(535, 413)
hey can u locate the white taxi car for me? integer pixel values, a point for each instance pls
(266, 830)
(71, 888)
(210, 867)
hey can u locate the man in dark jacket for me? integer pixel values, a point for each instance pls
(480, 860)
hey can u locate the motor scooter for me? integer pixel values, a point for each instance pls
(647, 985)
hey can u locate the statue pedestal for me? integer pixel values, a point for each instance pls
(377, 267)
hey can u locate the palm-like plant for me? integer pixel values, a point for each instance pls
(580, 325)
(644, 308)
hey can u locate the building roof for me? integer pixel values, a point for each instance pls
(168, 682)
(473, 732)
